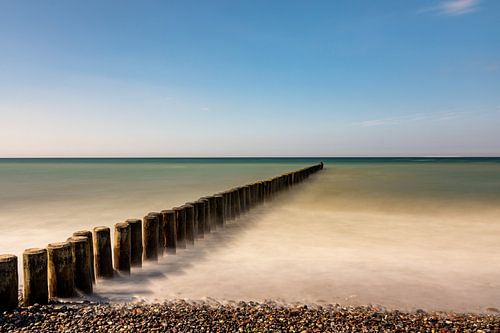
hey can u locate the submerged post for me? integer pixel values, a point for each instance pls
(35, 287)
(135, 242)
(9, 282)
(60, 270)
(122, 248)
(150, 237)
(171, 231)
(80, 249)
(102, 253)
(88, 234)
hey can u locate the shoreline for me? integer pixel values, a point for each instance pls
(211, 315)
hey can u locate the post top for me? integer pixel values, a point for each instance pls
(78, 239)
(133, 221)
(122, 225)
(35, 250)
(7, 258)
(101, 228)
(85, 233)
(59, 245)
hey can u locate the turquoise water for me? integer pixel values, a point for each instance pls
(401, 232)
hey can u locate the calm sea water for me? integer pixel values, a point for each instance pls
(402, 232)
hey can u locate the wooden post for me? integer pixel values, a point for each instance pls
(225, 199)
(35, 287)
(206, 223)
(135, 242)
(169, 216)
(122, 248)
(9, 283)
(200, 221)
(243, 199)
(161, 226)
(150, 237)
(211, 202)
(103, 259)
(80, 249)
(60, 270)
(219, 211)
(190, 215)
(247, 197)
(180, 218)
(88, 234)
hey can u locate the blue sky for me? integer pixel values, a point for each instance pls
(249, 78)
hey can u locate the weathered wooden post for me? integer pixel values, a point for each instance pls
(103, 259)
(219, 211)
(180, 218)
(88, 234)
(243, 199)
(136, 249)
(190, 215)
(150, 237)
(200, 221)
(80, 249)
(169, 216)
(60, 270)
(206, 222)
(35, 287)
(247, 197)
(122, 248)
(161, 226)
(9, 283)
(211, 202)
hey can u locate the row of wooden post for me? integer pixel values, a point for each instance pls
(65, 269)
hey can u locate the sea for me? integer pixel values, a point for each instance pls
(396, 233)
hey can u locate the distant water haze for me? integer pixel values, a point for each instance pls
(402, 233)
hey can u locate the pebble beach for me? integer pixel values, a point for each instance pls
(184, 316)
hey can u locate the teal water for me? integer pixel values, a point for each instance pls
(401, 232)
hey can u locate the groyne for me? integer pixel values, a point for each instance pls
(70, 268)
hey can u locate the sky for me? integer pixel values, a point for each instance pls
(249, 78)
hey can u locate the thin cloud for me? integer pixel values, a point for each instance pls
(453, 7)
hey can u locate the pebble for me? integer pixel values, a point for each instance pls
(182, 316)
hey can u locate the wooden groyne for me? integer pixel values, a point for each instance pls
(70, 268)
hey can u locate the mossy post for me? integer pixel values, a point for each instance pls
(135, 242)
(122, 248)
(190, 216)
(9, 283)
(150, 234)
(200, 218)
(60, 270)
(103, 259)
(219, 211)
(169, 216)
(161, 226)
(80, 246)
(88, 234)
(180, 218)
(35, 287)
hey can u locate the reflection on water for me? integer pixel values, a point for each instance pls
(404, 235)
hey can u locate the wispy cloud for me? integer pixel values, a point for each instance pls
(431, 116)
(453, 7)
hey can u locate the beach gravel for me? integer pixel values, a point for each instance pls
(184, 316)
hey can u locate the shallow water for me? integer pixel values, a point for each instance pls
(401, 233)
